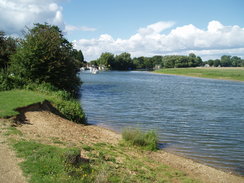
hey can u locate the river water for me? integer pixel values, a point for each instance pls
(202, 119)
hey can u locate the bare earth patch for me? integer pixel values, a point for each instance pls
(45, 125)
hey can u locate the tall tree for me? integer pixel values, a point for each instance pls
(46, 56)
(225, 61)
(106, 59)
(122, 62)
(8, 47)
(78, 58)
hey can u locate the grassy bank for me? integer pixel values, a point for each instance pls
(54, 159)
(233, 73)
(12, 99)
(88, 163)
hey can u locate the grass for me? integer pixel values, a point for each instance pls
(45, 163)
(12, 99)
(233, 73)
(136, 137)
(13, 131)
(103, 163)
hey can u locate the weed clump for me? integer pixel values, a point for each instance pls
(136, 137)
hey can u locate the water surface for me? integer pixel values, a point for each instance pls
(202, 119)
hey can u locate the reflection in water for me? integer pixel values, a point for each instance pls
(199, 118)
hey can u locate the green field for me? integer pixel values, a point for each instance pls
(10, 100)
(233, 73)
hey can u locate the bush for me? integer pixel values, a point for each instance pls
(71, 109)
(62, 100)
(9, 82)
(136, 137)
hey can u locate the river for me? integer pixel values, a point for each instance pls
(202, 119)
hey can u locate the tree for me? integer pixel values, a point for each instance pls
(79, 58)
(169, 61)
(210, 62)
(225, 61)
(122, 62)
(181, 61)
(8, 47)
(216, 63)
(106, 59)
(46, 56)
(139, 63)
(236, 61)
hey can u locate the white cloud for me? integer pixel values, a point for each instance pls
(16, 14)
(69, 28)
(156, 28)
(215, 40)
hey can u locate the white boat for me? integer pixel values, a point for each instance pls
(94, 70)
(82, 69)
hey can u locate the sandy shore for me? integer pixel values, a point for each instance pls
(45, 126)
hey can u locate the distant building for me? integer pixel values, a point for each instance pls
(157, 67)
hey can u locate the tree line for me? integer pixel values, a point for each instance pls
(42, 56)
(124, 61)
(226, 61)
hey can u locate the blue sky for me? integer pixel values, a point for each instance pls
(209, 28)
(122, 18)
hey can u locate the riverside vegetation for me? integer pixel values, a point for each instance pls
(43, 65)
(57, 160)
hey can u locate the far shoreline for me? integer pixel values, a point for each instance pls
(203, 77)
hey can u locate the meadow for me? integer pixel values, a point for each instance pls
(226, 73)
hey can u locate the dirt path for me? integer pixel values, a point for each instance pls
(10, 172)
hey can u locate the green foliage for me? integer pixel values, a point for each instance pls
(9, 81)
(107, 60)
(138, 138)
(78, 58)
(122, 62)
(8, 47)
(226, 61)
(118, 62)
(45, 163)
(46, 56)
(139, 63)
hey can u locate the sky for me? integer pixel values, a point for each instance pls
(208, 28)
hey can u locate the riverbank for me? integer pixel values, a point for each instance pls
(223, 73)
(110, 160)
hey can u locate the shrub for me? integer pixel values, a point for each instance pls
(136, 137)
(9, 82)
(62, 100)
